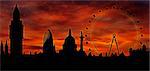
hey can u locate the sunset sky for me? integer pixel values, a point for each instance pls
(97, 19)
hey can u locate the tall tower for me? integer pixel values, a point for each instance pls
(81, 41)
(48, 47)
(81, 52)
(16, 33)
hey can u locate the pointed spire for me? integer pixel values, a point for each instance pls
(16, 13)
(16, 8)
(2, 51)
(1, 44)
(69, 32)
(81, 35)
(6, 48)
(81, 41)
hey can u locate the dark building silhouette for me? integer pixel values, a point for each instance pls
(48, 47)
(6, 48)
(69, 46)
(100, 55)
(16, 33)
(139, 52)
(2, 50)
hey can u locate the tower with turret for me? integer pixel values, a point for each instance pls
(16, 33)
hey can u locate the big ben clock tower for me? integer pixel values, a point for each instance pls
(16, 34)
